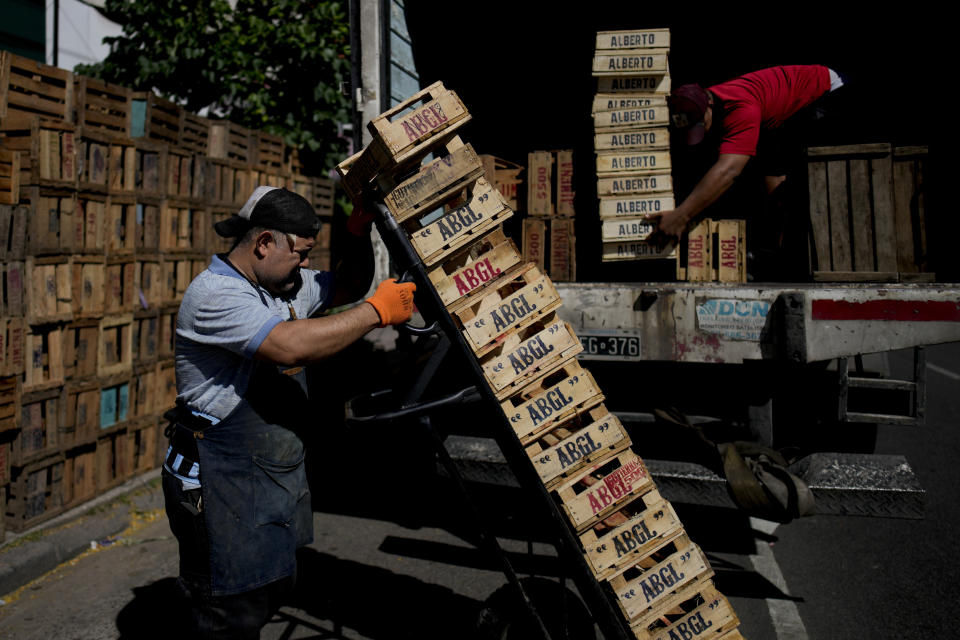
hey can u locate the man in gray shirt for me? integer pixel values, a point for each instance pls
(234, 482)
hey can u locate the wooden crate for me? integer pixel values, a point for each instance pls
(402, 136)
(625, 120)
(43, 366)
(539, 183)
(644, 139)
(150, 165)
(102, 105)
(143, 400)
(139, 448)
(14, 302)
(121, 293)
(623, 101)
(79, 475)
(551, 244)
(653, 584)
(633, 206)
(180, 163)
(852, 213)
(626, 229)
(114, 403)
(302, 186)
(89, 286)
(29, 88)
(551, 399)
(480, 210)
(9, 407)
(168, 331)
(9, 177)
(323, 192)
(635, 184)
(435, 182)
(80, 346)
(226, 183)
(149, 282)
(909, 195)
(93, 164)
(659, 84)
(587, 438)
(638, 530)
(229, 140)
(510, 303)
(467, 273)
(633, 39)
(534, 241)
(194, 133)
(604, 488)
(115, 346)
(266, 178)
(504, 176)
(147, 229)
(35, 493)
(81, 424)
(42, 415)
(630, 62)
(49, 289)
(12, 346)
(166, 392)
(120, 232)
(705, 613)
(268, 152)
(176, 272)
(111, 462)
(4, 467)
(631, 161)
(155, 118)
(183, 227)
(53, 225)
(563, 191)
(47, 152)
(91, 221)
(528, 353)
(145, 337)
(637, 250)
(13, 232)
(715, 252)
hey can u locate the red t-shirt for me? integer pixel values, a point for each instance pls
(765, 98)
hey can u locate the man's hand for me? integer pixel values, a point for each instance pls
(393, 301)
(670, 224)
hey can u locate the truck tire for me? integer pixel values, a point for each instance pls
(504, 616)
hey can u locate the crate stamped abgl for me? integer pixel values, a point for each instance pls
(471, 270)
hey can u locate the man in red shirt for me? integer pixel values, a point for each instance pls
(743, 108)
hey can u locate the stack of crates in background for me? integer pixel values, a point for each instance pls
(107, 201)
(548, 236)
(632, 140)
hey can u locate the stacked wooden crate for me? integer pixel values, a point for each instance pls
(506, 311)
(632, 141)
(548, 234)
(107, 200)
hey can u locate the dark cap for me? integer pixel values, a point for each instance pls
(688, 104)
(272, 208)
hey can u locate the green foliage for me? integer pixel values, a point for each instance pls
(275, 66)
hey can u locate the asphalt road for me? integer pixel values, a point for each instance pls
(402, 563)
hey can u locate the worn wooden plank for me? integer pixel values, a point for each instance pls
(842, 259)
(628, 162)
(630, 62)
(861, 214)
(563, 250)
(700, 252)
(635, 84)
(535, 241)
(639, 250)
(638, 184)
(564, 184)
(626, 229)
(539, 183)
(626, 119)
(819, 215)
(632, 206)
(585, 439)
(731, 245)
(528, 353)
(884, 217)
(472, 270)
(640, 594)
(604, 488)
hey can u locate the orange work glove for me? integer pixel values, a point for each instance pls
(393, 301)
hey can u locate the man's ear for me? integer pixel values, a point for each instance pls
(261, 242)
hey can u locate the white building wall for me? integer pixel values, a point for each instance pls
(82, 30)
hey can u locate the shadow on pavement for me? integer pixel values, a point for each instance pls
(156, 611)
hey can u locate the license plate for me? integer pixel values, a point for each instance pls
(609, 345)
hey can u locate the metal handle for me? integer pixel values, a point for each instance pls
(469, 394)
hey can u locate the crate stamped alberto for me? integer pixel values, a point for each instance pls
(631, 118)
(587, 438)
(626, 229)
(632, 162)
(630, 62)
(636, 250)
(550, 400)
(509, 304)
(632, 206)
(648, 524)
(483, 210)
(604, 488)
(619, 102)
(634, 138)
(633, 39)
(649, 182)
(635, 83)
(470, 271)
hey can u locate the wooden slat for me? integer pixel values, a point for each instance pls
(885, 235)
(839, 212)
(861, 215)
(819, 215)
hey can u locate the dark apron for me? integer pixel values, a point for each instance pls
(256, 503)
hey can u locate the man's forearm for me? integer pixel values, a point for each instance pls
(714, 184)
(299, 342)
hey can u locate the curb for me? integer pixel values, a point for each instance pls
(27, 555)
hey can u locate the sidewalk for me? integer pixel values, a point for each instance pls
(28, 555)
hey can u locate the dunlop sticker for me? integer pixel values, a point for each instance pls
(733, 319)
(552, 403)
(577, 449)
(533, 299)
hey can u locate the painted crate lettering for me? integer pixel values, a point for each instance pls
(79, 473)
(91, 219)
(564, 191)
(626, 229)
(115, 348)
(700, 252)
(551, 400)
(121, 294)
(49, 290)
(563, 253)
(570, 446)
(93, 161)
(631, 62)
(102, 105)
(621, 102)
(634, 84)
(436, 182)
(633, 39)
(711, 619)
(731, 250)
(53, 223)
(44, 357)
(632, 161)
(527, 353)
(648, 584)
(14, 303)
(638, 184)
(151, 162)
(80, 349)
(12, 346)
(35, 493)
(647, 138)
(535, 241)
(604, 488)
(82, 421)
(404, 134)
(483, 210)
(9, 407)
(89, 286)
(42, 415)
(123, 167)
(639, 250)
(626, 119)
(638, 530)
(539, 183)
(121, 225)
(508, 304)
(469, 272)
(13, 232)
(632, 206)
(145, 337)
(9, 176)
(147, 229)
